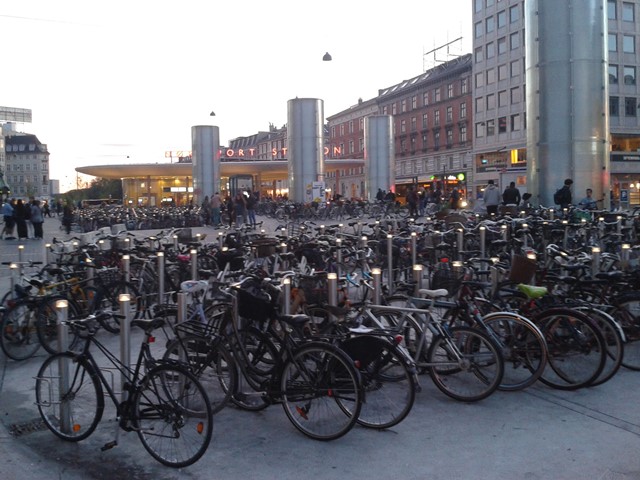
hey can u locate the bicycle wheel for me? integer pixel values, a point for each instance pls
(72, 410)
(19, 339)
(172, 416)
(387, 378)
(210, 362)
(577, 349)
(523, 347)
(627, 312)
(321, 391)
(108, 301)
(47, 324)
(465, 365)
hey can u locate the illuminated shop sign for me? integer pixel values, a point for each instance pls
(275, 152)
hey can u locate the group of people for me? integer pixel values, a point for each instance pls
(240, 208)
(27, 217)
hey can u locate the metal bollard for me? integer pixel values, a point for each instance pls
(595, 260)
(125, 339)
(90, 271)
(363, 242)
(565, 238)
(160, 258)
(525, 228)
(460, 241)
(376, 273)
(624, 257)
(414, 248)
(182, 307)
(339, 257)
(390, 262)
(127, 244)
(286, 296)
(62, 311)
(194, 264)
(483, 237)
(175, 241)
(505, 232)
(126, 271)
(220, 239)
(332, 289)
(619, 224)
(321, 229)
(47, 253)
(13, 270)
(551, 213)
(417, 278)
(101, 246)
(20, 253)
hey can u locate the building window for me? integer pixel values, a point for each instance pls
(350, 126)
(403, 126)
(479, 104)
(491, 101)
(479, 57)
(514, 40)
(361, 124)
(436, 139)
(361, 145)
(628, 13)
(424, 141)
(342, 129)
(612, 41)
(628, 44)
(614, 106)
(491, 76)
(464, 86)
(463, 134)
(502, 125)
(611, 9)
(491, 24)
(479, 80)
(425, 99)
(491, 50)
(630, 107)
(502, 72)
(491, 128)
(425, 118)
(502, 45)
(515, 68)
(514, 13)
(502, 18)
(436, 118)
(503, 98)
(450, 90)
(449, 114)
(414, 102)
(436, 95)
(629, 75)
(394, 108)
(477, 28)
(463, 110)
(449, 137)
(403, 105)
(403, 145)
(414, 123)
(351, 146)
(613, 74)
(515, 122)
(515, 95)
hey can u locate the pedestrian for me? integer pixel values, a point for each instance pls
(216, 204)
(37, 219)
(511, 195)
(20, 214)
(588, 203)
(412, 201)
(206, 210)
(491, 198)
(239, 208)
(230, 210)
(9, 220)
(67, 216)
(454, 199)
(563, 195)
(380, 195)
(251, 209)
(46, 210)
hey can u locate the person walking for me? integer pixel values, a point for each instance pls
(206, 210)
(20, 214)
(37, 219)
(412, 201)
(9, 220)
(216, 204)
(251, 209)
(563, 195)
(511, 195)
(454, 199)
(239, 208)
(67, 216)
(491, 198)
(46, 210)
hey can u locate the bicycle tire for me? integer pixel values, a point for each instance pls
(210, 362)
(83, 398)
(524, 349)
(19, 339)
(172, 415)
(627, 312)
(321, 391)
(577, 349)
(466, 365)
(388, 381)
(108, 301)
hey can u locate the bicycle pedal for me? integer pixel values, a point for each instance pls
(109, 446)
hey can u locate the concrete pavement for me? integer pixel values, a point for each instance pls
(539, 433)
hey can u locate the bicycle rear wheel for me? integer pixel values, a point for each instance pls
(73, 410)
(172, 415)
(465, 365)
(321, 391)
(19, 339)
(47, 324)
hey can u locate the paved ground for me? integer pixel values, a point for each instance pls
(539, 433)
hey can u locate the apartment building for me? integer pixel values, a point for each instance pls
(27, 166)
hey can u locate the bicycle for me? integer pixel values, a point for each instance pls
(162, 401)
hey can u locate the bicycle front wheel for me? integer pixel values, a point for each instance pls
(69, 396)
(19, 339)
(172, 415)
(465, 365)
(321, 391)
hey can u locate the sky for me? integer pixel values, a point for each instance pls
(123, 81)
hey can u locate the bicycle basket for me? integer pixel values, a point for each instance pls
(315, 289)
(264, 247)
(448, 279)
(255, 304)
(105, 276)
